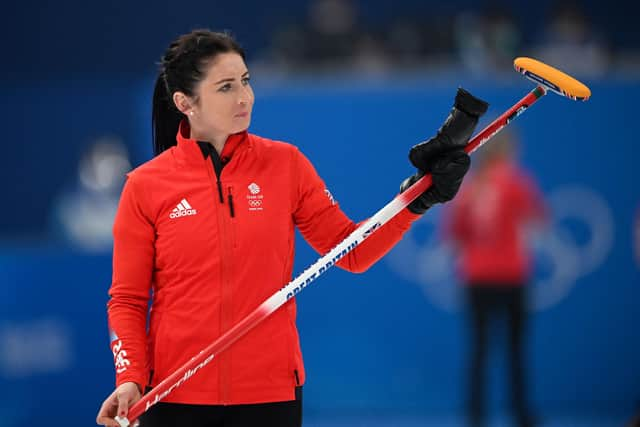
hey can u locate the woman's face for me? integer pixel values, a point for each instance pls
(224, 98)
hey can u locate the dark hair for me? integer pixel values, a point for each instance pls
(182, 67)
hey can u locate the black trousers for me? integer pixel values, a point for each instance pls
(486, 301)
(276, 414)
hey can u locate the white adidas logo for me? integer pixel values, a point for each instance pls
(183, 209)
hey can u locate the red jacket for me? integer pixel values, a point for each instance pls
(209, 262)
(487, 221)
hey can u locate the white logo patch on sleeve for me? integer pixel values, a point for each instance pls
(120, 357)
(330, 196)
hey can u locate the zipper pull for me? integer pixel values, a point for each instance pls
(231, 209)
(220, 192)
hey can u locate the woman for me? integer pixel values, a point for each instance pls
(207, 227)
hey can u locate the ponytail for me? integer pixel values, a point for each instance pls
(165, 118)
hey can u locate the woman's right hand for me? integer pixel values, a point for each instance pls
(118, 403)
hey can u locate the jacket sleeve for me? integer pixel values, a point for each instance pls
(133, 260)
(323, 224)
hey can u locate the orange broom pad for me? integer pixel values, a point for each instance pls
(553, 78)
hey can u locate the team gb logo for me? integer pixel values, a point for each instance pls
(254, 199)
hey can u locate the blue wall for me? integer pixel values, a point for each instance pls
(378, 341)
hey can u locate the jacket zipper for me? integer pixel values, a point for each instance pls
(217, 167)
(225, 278)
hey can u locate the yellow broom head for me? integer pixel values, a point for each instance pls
(552, 78)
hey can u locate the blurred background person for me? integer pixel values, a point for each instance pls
(488, 224)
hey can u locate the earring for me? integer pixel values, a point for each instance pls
(191, 113)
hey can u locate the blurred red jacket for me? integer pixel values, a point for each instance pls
(211, 260)
(488, 220)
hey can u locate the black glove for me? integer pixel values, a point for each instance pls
(443, 155)
(447, 172)
(454, 133)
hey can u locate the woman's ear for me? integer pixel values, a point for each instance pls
(182, 102)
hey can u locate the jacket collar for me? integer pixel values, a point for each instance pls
(190, 150)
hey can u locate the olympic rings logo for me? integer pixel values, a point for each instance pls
(254, 203)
